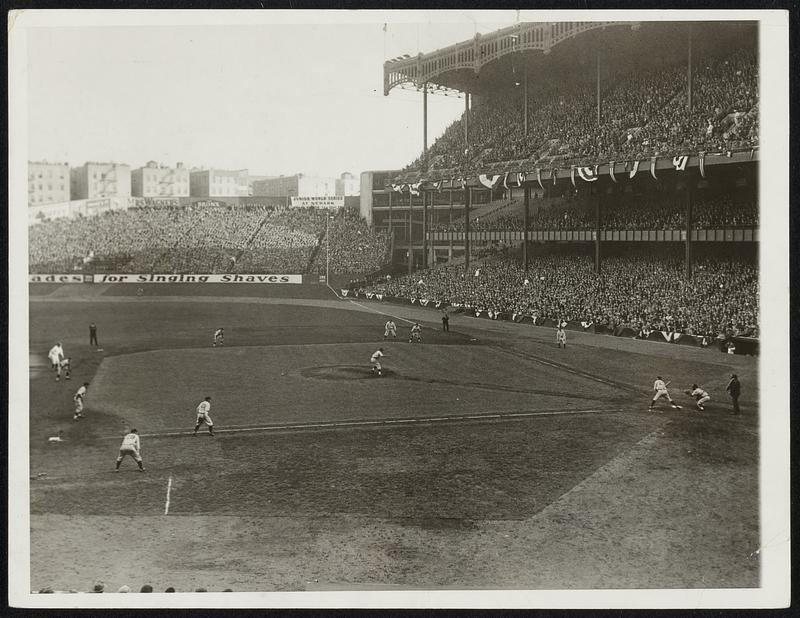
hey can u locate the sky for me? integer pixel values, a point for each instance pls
(274, 98)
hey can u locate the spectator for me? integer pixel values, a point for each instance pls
(146, 588)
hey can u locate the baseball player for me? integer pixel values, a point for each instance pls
(203, 417)
(65, 367)
(416, 333)
(699, 395)
(56, 355)
(375, 359)
(390, 328)
(561, 336)
(661, 391)
(219, 337)
(130, 446)
(78, 398)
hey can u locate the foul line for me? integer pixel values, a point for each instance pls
(169, 488)
(382, 422)
(373, 310)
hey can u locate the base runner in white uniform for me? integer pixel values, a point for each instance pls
(203, 416)
(130, 447)
(56, 355)
(661, 391)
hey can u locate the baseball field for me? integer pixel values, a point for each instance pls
(485, 457)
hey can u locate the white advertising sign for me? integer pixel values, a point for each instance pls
(71, 278)
(331, 201)
(226, 278)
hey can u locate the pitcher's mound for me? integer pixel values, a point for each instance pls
(344, 372)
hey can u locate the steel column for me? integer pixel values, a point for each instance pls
(689, 71)
(597, 232)
(467, 200)
(525, 223)
(425, 125)
(410, 229)
(525, 102)
(689, 199)
(424, 229)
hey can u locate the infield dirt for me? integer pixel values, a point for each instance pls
(605, 494)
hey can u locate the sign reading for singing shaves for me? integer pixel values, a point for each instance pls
(226, 278)
(330, 201)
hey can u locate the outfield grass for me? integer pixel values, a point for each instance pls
(604, 495)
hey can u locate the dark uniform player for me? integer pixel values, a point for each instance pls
(445, 321)
(93, 334)
(734, 389)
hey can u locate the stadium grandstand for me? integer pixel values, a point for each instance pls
(602, 173)
(212, 238)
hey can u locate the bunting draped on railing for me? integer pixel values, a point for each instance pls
(510, 177)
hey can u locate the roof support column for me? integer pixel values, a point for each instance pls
(689, 71)
(424, 229)
(597, 207)
(525, 102)
(467, 200)
(525, 224)
(390, 210)
(410, 243)
(450, 229)
(425, 125)
(598, 86)
(466, 120)
(689, 197)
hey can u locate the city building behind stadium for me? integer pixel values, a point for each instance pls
(602, 175)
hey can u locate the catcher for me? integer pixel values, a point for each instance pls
(699, 395)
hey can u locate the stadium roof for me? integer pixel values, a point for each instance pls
(500, 59)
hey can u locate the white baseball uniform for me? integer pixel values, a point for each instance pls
(202, 413)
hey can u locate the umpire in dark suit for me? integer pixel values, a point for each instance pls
(734, 389)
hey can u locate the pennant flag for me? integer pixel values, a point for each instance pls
(344, 292)
(438, 185)
(589, 174)
(539, 178)
(680, 162)
(379, 296)
(370, 295)
(505, 181)
(521, 176)
(463, 183)
(752, 152)
(398, 188)
(413, 300)
(487, 182)
(635, 169)
(424, 302)
(653, 167)
(611, 166)
(414, 188)
(554, 174)
(438, 304)
(702, 156)
(572, 175)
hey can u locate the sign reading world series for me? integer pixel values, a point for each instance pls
(330, 201)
